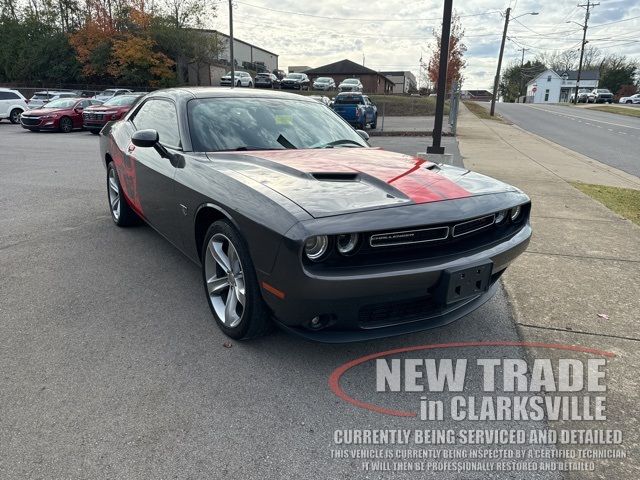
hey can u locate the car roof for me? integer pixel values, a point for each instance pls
(3, 89)
(223, 92)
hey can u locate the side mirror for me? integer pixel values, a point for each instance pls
(363, 134)
(78, 109)
(145, 138)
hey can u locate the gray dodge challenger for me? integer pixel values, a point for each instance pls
(295, 221)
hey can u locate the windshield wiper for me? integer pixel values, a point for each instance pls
(250, 147)
(284, 142)
(343, 142)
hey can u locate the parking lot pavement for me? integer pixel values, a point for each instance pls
(113, 368)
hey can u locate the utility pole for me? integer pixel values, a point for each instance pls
(521, 72)
(496, 81)
(231, 57)
(584, 42)
(442, 79)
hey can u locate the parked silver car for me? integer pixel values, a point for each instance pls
(242, 79)
(39, 99)
(351, 85)
(324, 83)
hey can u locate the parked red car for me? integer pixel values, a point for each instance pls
(96, 117)
(64, 115)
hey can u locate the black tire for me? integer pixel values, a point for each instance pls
(126, 217)
(628, 102)
(374, 124)
(238, 84)
(95, 132)
(250, 85)
(255, 320)
(66, 125)
(14, 116)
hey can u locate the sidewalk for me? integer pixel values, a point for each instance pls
(583, 260)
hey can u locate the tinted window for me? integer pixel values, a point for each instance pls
(349, 100)
(160, 115)
(8, 96)
(265, 124)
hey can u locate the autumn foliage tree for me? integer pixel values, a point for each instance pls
(456, 62)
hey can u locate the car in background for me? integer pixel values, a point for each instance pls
(110, 93)
(602, 95)
(324, 83)
(350, 85)
(95, 117)
(629, 100)
(295, 81)
(40, 99)
(356, 109)
(267, 80)
(292, 217)
(63, 115)
(12, 104)
(584, 96)
(322, 99)
(243, 79)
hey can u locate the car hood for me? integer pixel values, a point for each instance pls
(106, 108)
(46, 111)
(327, 182)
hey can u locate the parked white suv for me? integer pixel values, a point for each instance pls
(12, 104)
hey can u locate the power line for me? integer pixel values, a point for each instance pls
(354, 19)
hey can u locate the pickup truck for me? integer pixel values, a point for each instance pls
(356, 109)
(602, 95)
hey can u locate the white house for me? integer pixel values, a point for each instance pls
(545, 88)
(553, 87)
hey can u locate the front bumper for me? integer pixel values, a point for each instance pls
(380, 301)
(93, 125)
(291, 86)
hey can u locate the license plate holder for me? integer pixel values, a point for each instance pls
(458, 284)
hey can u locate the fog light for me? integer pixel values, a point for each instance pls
(347, 243)
(515, 213)
(316, 247)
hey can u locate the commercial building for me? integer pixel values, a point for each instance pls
(403, 82)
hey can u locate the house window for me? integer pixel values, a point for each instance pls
(546, 95)
(548, 78)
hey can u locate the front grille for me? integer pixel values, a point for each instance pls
(474, 225)
(30, 121)
(93, 116)
(403, 311)
(408, 237)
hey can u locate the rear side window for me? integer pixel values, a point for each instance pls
(8, 96)
(159, 115)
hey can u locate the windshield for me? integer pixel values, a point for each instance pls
(61, 103)
(351, 80)
(603, 90)
(323, 80)
(107, 93)
(42, 96)
(121, 100)
(294, 76)
(218, 124)
(349, 100)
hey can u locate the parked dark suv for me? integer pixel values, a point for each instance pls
(295, 81)
(267, 80)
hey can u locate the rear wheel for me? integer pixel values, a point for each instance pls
(66, 125)
(231, 284)
(95, 132)
(374, 124)
(14, 116)
(121, 213)
(628, 101)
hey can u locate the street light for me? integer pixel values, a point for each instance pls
(504, 38)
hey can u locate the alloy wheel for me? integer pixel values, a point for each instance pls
(114, 193)
(66, 125)
(15, 116)
(225, 280)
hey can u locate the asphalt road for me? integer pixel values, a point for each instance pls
(607, 137)
(113, 368)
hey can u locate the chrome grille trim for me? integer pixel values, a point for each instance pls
(457, 225)
(373, 238)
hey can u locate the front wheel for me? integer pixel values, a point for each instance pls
(14, 116)
(231, 284)
(66, 125)
(121, 213)
(374, 124)
(628, 102)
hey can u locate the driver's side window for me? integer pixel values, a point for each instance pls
(159, 115)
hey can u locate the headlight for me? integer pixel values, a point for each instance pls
(316, 247)
(501, 216)
(515, 213)
(347, 243)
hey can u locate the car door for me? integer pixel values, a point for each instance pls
(154, 173)
(4, 104)
(78, 108)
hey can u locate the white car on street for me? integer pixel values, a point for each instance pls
(632, 99)
(12, 104)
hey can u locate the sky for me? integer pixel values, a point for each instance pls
(395, 34)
